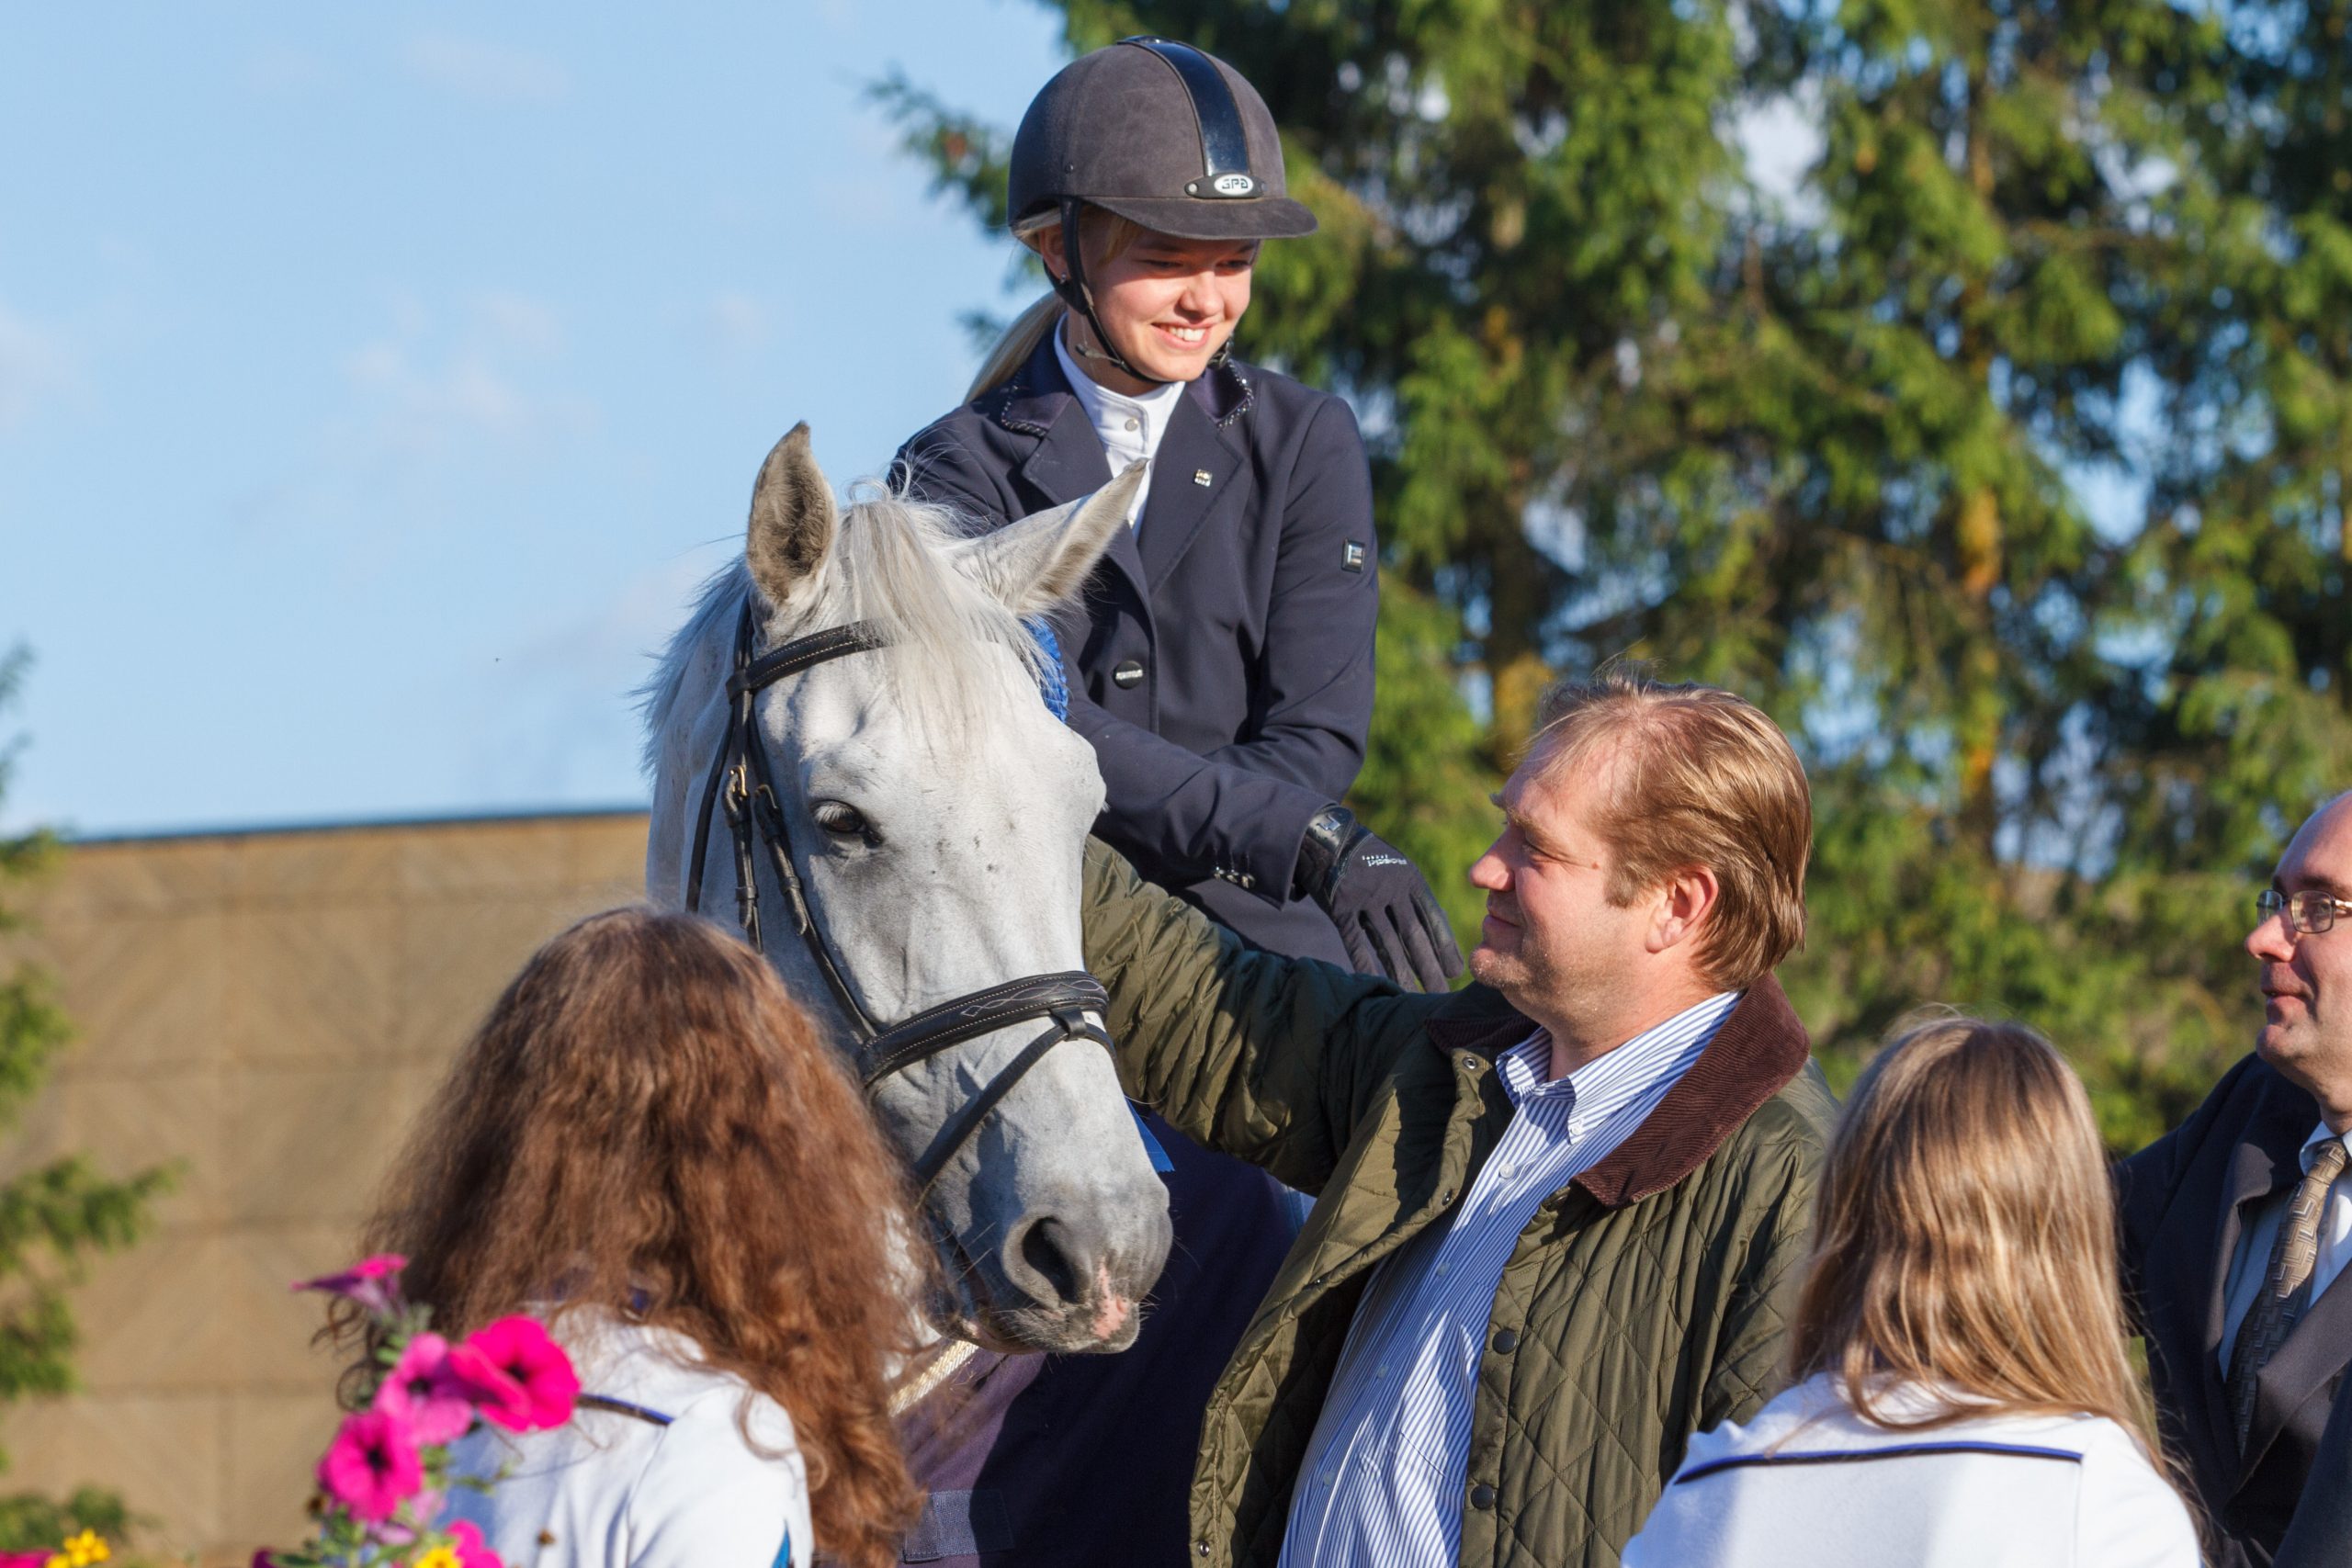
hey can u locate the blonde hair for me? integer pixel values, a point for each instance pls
(1964, 1238)
(1697, 777)
(1106, 237)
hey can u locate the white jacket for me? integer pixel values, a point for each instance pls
(1808, 1483)
(676, 1487)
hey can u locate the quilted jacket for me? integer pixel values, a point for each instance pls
(1645, 1303)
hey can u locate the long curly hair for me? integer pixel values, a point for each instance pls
(648, 1125)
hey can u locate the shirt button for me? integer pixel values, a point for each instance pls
(1133, 425)
(1482, 1495)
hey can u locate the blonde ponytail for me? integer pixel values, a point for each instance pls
(1018, 342)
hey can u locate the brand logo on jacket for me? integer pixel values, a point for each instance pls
(1351, 558)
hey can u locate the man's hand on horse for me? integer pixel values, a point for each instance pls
(1387, 917)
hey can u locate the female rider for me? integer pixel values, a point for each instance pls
(1221, 666)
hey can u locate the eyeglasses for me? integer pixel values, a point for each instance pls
(2308, 912)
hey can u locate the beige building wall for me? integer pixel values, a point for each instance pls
(268, 1009)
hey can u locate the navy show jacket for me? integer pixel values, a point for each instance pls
(1221, 660)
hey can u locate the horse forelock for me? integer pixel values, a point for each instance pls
(892, 564)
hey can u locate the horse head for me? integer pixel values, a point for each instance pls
(936, 814)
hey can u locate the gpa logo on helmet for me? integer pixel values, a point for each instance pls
(1232, 185)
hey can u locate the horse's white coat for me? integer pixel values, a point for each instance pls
(975, 803)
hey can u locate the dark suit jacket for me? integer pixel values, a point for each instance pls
(2186, 1200)
(1241, 605)
(2321, 1536)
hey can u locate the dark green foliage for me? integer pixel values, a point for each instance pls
(53, 1217)
(1833, 453)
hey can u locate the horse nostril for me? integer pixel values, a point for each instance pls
(1043, 1249)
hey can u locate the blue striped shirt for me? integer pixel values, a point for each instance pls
(1383, 1481)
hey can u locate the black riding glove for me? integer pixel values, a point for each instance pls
(1387, 914)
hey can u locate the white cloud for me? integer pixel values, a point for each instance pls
(520, 322)
(735, 324)
(428, 393)
(37, 367)
(490, 73)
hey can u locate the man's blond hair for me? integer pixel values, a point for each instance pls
(1688, 775)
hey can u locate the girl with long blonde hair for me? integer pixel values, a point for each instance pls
(1963, 1390)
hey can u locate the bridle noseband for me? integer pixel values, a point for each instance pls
(742, 783)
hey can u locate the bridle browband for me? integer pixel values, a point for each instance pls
(742, 784)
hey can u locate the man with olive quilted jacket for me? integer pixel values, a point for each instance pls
(1561, 1213)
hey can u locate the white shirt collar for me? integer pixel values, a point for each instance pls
(1129, 428)
(2321, 1134)
(1662, 1051)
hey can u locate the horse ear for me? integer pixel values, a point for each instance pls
(1035, 564)
(793, 518)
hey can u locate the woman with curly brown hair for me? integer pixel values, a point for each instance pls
(648, 1146)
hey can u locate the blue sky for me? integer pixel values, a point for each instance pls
(376, 382)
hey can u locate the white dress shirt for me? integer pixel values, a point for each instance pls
(1383, 1480)
(1130, 427)
(2252, 1262)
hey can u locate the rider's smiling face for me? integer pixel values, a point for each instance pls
(1168, 305)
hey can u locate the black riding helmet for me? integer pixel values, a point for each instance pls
(1162, 135)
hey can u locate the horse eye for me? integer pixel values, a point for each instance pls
(844, 820)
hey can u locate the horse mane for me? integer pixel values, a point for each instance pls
(892, 563)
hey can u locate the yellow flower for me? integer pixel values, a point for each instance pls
(439, 1557)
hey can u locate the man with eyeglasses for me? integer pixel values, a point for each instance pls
(2237, 1226)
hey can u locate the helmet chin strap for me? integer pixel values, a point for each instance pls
(1075, 293)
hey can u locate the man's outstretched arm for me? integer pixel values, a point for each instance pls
(1269, 1058)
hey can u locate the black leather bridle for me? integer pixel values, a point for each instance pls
(742, 783)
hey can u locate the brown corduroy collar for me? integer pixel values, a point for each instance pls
(1759, 1048)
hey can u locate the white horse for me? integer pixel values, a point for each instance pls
(937, 814)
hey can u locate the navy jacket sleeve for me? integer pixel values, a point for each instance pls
(1244, 807)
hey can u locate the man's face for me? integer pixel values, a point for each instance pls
(1552, 944)
(2306, 978)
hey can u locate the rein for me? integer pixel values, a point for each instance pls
(743, 784)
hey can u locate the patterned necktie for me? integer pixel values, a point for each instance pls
(2286, 1285)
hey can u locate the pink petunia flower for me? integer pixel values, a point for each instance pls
(471, 1551)
(371, 1465)
(429, 1395)
(484, 1384)
(545, 1385)
(23, 1558)
(373, 1282)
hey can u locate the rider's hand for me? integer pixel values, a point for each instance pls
(1387, 914)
